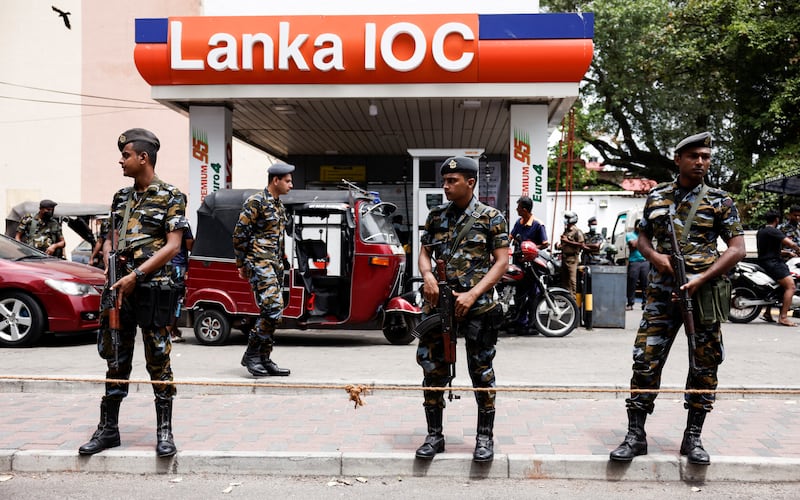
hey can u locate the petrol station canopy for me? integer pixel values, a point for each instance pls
(368, 84)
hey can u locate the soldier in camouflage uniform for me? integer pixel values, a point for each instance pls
(150, 219)
(258, 242)
(42, 231)
(472, 268)
(716, 217)
(592, 244)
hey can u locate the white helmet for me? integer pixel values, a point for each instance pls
(570, 217)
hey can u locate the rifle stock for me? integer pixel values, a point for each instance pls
(687, 309)
(447, 315)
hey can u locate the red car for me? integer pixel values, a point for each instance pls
(39, 294)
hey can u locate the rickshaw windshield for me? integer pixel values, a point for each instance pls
(376, 227)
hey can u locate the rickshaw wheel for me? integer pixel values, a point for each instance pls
(211, 327)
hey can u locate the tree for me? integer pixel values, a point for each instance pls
(664, 69)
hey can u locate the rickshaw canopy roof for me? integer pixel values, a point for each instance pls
(220, 210)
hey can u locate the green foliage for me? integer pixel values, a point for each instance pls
(664, 69)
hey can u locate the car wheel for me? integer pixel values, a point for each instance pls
(21, 320)
(211, 327)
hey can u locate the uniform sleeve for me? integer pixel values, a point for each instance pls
(499, 229)
(24, 224)
(243, 231)
(731, 225)
(176, 212)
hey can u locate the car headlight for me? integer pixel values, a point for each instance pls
(71, 287)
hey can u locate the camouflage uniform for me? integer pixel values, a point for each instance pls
(259, 248)
(158, 211)
(466, 266)
(570, 257)
(46, 233)
(792, 231)
(716, 217)
(592, 238)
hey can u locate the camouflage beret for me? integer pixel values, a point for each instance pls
(137, 134)
(47, 204)
(459, 164)
(701, 140)
(280, 169)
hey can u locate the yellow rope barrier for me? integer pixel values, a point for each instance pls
(357, 391)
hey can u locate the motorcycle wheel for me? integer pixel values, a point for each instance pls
(399, 332)
(560, 322)
(743, 314)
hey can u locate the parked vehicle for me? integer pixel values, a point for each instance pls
(753, 290)
(39, 294)
(551, 310)
(346, 266)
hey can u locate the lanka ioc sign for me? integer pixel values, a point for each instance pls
(442, 48)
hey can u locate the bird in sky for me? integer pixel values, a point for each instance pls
(63, 16)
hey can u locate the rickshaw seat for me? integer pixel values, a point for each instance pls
(314, 249)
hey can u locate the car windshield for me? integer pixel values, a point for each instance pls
(11, 249)
(376, 227)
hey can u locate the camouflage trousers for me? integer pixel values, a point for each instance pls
(660, 323)
(268, 293)
(157, 348)
(480, 337)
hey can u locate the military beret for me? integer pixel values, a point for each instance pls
(592, 220)
(459, 164)
(47, 204)
(280, 169)
(701, 140)
(137, 134)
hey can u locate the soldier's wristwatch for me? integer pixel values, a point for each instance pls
(139, 275)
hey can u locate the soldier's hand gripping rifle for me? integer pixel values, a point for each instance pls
(687, 310)
(113, 276)
(447, 310)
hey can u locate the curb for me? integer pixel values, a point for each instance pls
(586, 467)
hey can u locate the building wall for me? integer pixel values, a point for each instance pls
(67, 94)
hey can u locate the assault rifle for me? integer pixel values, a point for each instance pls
(447, 316)
(687, 310)
(115, 263)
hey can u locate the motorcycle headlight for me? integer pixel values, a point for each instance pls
(71, 287)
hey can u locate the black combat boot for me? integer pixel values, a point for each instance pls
(484, 444)
(434, 441)
(274, 369)
(165, 445)
(691, 446)
(266, 349)
(635, 442)
(252, 358)
(107, 433)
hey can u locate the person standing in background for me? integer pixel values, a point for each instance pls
(42, 231)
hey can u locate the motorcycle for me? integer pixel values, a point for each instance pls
(753, 289)
(527, 289)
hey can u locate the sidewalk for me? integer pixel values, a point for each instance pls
(248, 427)
(322, 434)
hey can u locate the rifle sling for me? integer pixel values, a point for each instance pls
(122, 241)
(692, 212)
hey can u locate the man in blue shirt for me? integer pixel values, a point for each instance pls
(638, 267)
(527, 228)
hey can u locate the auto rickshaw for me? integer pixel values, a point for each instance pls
(344, 267)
